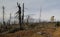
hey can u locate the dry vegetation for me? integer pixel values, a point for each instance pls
(30, 33)
(57, 32)
(24, 34)
(37, 31)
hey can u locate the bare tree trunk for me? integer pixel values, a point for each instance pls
(3, 15)
(20, 20)
(28, 19)
(23, 15)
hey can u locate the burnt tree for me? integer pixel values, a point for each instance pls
(3, 15)
(23, 14)
(19, 13)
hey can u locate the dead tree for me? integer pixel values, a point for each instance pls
(28, 19)
(19, 13)
(23, 14)
(10, 19)
(40, 15)
(3, 15)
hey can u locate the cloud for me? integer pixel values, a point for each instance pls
(49, 8)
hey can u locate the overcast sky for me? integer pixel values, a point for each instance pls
(49, 8)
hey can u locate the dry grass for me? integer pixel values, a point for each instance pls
(57, 32)
(29, 33)
(19, 34)
(37, 35)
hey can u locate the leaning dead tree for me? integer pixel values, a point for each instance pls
(19, 16)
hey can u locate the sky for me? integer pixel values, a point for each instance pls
(49, 8)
